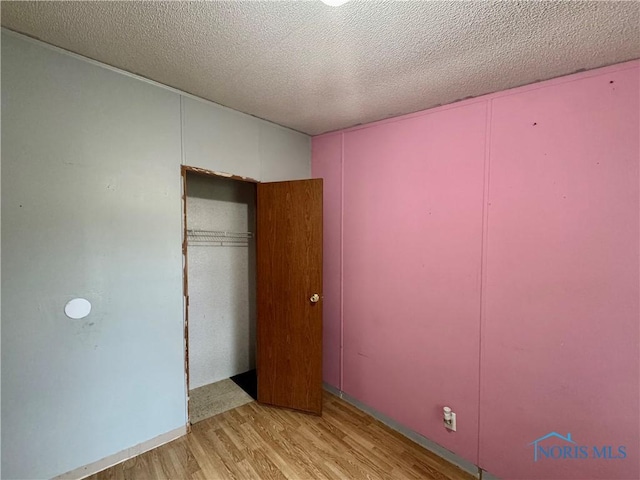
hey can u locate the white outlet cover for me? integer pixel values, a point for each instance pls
(77, 308)
(454, 423)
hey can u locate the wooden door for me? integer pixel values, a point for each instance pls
(289, 274)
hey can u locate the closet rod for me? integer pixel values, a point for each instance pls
(218, 238)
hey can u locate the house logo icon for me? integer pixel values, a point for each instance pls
(554, 446)
(549, 435)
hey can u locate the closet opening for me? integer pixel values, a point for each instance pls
(219, 254)
(252, 258)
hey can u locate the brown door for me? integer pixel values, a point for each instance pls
(289, 284)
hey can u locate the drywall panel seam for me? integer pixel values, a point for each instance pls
(567, 78)
(309, 162)
(106, 66)
(185, 301)
(341, 260)
(483, 251)
(0, 263)
(260, 159)
(185, 293)
(182, 155)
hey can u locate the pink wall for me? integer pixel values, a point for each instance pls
(412, 249)
(487, 255)
(327, 155)
(560, 323)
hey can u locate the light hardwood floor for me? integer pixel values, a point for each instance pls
(258, 442)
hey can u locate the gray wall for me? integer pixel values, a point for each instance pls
(223, 140)
(91, 207)
(222, 313)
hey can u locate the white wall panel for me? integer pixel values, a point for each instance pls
(90, 208)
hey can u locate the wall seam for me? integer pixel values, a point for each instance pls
(483, 255)
(182, 159)
(310, 163)
(185, 325)
(591, 72)
(141, 78)
(342, 261)
(489, 97)
(260, 157)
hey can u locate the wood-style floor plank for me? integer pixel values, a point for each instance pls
(259, 442)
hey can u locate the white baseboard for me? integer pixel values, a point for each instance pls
(430, 445)
(136, 450)
(125, 454)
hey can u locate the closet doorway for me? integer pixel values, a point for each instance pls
(252, 285)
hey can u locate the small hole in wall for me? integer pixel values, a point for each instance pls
(610, 81)
(535, 123)
(77, 308)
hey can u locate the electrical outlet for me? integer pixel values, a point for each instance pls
(449, 419)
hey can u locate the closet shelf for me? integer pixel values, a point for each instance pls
(216, 238)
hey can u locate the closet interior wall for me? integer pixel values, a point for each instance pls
(221, 278)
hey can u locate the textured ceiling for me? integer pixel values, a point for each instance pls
(316, 68)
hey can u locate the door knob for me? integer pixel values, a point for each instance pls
(314, 298)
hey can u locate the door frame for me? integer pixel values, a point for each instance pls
(184, 170)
